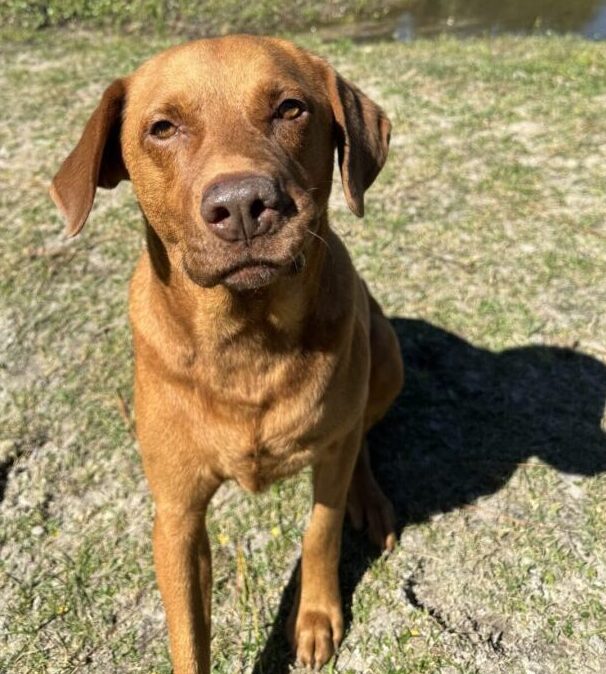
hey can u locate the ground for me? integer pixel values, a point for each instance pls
(484, 239)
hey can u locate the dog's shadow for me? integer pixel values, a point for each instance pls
(464, 421)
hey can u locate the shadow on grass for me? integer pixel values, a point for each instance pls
(465, 420)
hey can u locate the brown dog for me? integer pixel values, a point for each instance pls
(259, 349)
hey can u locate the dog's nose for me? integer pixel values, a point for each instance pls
(240, 208)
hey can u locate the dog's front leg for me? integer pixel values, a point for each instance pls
(317, 628)
(183, 569)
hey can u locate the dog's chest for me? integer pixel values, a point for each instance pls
(257, 464)
(268, 427)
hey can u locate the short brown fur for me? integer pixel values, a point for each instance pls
(256, 358)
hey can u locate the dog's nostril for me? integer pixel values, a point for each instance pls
(256, 208)
(218, 215)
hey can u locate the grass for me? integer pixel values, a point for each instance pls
(188, 17)
(484, 239)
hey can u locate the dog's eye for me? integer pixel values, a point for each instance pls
(290, 109)
(163, 129)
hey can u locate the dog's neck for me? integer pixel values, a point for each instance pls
(281, 309)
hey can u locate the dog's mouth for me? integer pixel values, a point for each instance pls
(252, 273)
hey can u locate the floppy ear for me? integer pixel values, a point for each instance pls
(362, 138)
(96, 161)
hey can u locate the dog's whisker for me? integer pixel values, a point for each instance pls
(322, 239)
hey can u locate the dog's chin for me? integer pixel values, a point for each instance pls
(251, 276)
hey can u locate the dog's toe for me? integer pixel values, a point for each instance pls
(374, 508)
(317, 636)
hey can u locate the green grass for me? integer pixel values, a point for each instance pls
(188, 17)
(484, 237)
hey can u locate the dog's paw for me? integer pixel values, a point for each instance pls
(317, 634)
(372, 507)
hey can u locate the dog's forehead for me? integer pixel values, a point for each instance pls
(225, 68)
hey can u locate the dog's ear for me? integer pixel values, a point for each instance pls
(96, 161)
(362, 132)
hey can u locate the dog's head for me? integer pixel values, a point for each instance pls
(229, 144)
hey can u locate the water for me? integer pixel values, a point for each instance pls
(469, 18)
